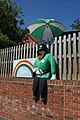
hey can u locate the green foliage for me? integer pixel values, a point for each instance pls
(5, 41)
(10, 20)
(75, 25)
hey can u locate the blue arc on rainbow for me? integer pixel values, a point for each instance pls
(23, 63)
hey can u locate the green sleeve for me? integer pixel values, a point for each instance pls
(52, 63)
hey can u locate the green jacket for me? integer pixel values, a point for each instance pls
(47, 63)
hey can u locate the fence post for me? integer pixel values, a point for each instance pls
(79, 55)
(75, 56)
(60, 57)
(65, 59)
(69, 57)
(56, 52)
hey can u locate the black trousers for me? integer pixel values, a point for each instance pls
(40, 87)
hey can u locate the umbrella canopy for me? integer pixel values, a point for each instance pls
(45, 30)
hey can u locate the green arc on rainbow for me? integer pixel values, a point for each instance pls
(22, 63)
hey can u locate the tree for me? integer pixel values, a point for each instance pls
(75, 25)
(10, 19)
(5, 41)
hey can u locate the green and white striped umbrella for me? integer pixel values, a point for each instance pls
(46, 29)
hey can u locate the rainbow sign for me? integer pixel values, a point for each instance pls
(23, 67)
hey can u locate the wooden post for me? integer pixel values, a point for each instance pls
(69, 58)
(79, 55)
(60, 57)
(56, 52)
(75, 56)
(65, 59)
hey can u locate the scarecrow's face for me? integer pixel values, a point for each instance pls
(41, 54)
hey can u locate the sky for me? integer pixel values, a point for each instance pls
(63, 11)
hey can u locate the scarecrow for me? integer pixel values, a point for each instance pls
(44, 68)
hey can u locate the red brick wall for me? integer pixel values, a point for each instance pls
(16, 101)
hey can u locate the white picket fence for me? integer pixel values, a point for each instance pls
(66, 51)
